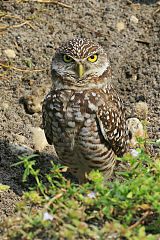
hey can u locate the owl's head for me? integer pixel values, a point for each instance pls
(79, 62)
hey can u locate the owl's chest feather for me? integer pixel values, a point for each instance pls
(72, 114)
(72, 109)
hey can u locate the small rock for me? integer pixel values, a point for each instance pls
(141, 109)
(39, 139)
(120, 26)
(135, 6)
(136, 129)
(4, 106)
(10, 53)
(33, 104)
(134, 77)
(20, 149)
(31, 82)
(134, 19)
(20, 138)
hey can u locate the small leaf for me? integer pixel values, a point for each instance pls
(144, 206)
(4, 187)
(158, 142)
(28, 63)
(130, 195)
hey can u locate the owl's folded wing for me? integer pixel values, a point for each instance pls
(113, 128)
(47, 122)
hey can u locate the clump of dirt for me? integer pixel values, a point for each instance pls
(32, 31)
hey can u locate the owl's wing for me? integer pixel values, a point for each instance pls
(46, 120)
(113, 128)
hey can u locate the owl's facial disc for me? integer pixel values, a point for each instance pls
(79, 61)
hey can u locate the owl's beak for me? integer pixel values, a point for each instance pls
(80, 70)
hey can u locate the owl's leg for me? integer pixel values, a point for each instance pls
(82, 179)
(76, 177)
(80, 176)
(109, 174)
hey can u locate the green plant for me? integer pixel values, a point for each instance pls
(56, 208)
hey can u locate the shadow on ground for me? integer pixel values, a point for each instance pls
(11, 175)
(148, 2)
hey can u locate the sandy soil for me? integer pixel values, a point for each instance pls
(127, 29)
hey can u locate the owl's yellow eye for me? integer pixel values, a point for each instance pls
(67, 59)
(93, 58)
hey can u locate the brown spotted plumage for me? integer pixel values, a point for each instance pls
(82, 114)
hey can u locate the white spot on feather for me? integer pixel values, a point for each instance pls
(115, 132)
(72, 98)
(92, 106)
(51, 106)
(58, 114)
(71, 124)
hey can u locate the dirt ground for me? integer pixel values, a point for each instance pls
(127, 29)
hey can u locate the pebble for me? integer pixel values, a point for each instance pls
(33, 104)
(20, 138)
(120, 26)
(137, 130)
(4, 106)
(141, 109)
(20, 149)
(134, 19)
(39, 139)
(10, 53)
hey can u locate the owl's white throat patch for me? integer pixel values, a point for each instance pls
(102, 69)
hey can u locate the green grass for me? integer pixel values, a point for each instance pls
(57, 208)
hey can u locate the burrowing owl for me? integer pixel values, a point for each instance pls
(83, 115)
